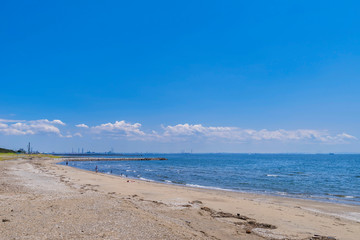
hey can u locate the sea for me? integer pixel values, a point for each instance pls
(322, 177)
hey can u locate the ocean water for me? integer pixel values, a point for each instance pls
(323, 177)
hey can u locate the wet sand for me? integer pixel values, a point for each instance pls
(41, 200)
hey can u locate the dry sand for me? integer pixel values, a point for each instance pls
(41, 200)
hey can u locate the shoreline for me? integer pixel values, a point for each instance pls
(245, 194)
(177, 212)
(321, 199)
(261, 194)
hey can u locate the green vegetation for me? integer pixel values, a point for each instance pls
(6, 154)
(4, 150)
(9, 156)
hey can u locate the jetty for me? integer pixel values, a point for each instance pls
(79, 159)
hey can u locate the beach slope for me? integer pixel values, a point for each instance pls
(42, 200)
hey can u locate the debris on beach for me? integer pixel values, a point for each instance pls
(249, 222)
(319, 237)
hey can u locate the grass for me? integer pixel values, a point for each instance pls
(9, 156)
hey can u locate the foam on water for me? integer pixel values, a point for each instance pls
(316, 176)
(207, 187)
(145, 179)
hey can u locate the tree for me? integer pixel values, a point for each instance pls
(22, 151)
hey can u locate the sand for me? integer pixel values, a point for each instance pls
(42, 200)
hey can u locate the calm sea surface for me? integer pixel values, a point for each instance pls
(321, 177)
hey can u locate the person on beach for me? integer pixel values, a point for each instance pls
(67, 163)
(96, 168)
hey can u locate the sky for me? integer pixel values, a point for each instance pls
(180, 76)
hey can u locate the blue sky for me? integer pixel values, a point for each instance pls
(160, 76)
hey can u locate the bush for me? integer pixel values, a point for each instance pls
(4, 150)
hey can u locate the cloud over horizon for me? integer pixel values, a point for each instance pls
(173, 133)
(188, 132)
(23, 127)
(240, 135)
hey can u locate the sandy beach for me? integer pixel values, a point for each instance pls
(42, 200)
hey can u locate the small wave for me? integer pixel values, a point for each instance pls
(271, 175)
(145, 179)
(168, 181)
(340, 195)
(207, 187)
(296, 174)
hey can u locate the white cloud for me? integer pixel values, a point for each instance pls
(179, 132)
(56, 121)
(189, 132)
(198, 129)
(22, 127)
(182, 131)
(82, 125)
(120, 128)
